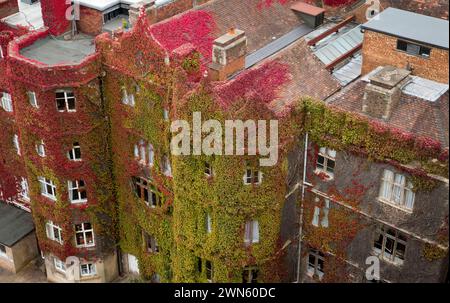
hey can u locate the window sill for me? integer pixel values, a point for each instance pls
(406, 210)
(324, 176)
(85, 246)
(78, 202)
(397, 264)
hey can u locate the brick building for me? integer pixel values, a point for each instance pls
(362, 168)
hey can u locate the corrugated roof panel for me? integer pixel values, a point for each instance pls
(350, 71)
(425, 89)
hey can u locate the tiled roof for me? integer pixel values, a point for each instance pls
(261, 24)
(414, 115)
(433, 8)
(308, 76)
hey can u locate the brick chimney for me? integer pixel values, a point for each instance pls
(228, 55)
(383, 92)
(54, 16)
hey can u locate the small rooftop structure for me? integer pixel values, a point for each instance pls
(29, 15)
(15, 224)
(312, 15)
(411, 26)
(52, 51)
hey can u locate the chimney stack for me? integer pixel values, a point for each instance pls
(383, 92)
(228, 55)
(54, 16)
(135, 10)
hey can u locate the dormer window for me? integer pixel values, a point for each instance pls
(65, 101)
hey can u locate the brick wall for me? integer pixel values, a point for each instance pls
(91, 21)
(8, 7)
(380, 49)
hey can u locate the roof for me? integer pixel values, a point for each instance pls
(28, 15)
(51, 51)
(102, 5)
(411, 26)
(262, 25)
(435, 8)
(308, 9)
(15, 224)
(413, 114)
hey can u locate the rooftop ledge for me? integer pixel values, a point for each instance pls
(43, 49)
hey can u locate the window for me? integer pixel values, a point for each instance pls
(53, 232)
(166, 114)
(147, 192)
(84, 235)
(326, 161)
(208, 224)
(151, 245)
(396, 190)
(144, 153)
(324, 209)
(413, 49)
(75, 153)
(251, 232)
(252, 176)
(166, 167)
(24, 191)
(316, 261)
(3, 249)
(209, 270)
(6, 102)
(208, 169)
(390, 245)
(77, 191)
(48, 188)
(59, 265)
(127, 99)
(32, 99)
(40, 149)
(65, 101)
(1, 53)
(205, 267)
(250, 275)
(16, 144)
(88, 269)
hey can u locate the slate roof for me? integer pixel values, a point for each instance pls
(412, 114)
(15, 224)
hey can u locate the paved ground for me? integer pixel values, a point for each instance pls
(30, 274)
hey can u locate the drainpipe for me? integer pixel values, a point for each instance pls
(300, 228)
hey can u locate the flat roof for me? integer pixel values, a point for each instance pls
(102, 5)
(15, 224)
(29, 15)
(52, 51)
(411, 26)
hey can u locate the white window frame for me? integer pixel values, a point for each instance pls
(1, 53)
(208, 223)
(32, 99)
(17, 144)
(66, 100)
(72, 154)
(88, 269)
(208, 169)
(313, 270)
(166, 166)
(40, 149)
(250, 179)
(7, 102)
(25, 190)
(325, 210)
(45, 183)
(53, 232)
(75, 185)
(389, 186)
(128, 99)
(382, 252)
(83, 231)
(329, 155)
(59, 265)
(251, 232)
(3, 254)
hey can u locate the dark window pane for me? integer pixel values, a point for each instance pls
(389, 247)
(83, 194)
(71, 103)
(413, 49)
(312, 260)
(254, 273)
(425, 51)
(330, 166)
(400, 251)
(379, 241)
(402, 45)
(245, 276)
(320, 161)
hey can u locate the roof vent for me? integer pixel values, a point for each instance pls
(383, 92)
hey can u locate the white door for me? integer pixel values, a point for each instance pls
(133, 266)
